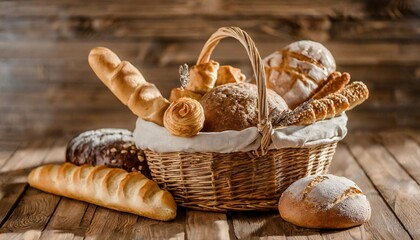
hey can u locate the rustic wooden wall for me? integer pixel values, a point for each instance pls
(47, 86)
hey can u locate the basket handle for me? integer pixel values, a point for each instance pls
(264, 125)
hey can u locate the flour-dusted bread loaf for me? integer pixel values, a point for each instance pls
(107, 146)
(324, 201)
(297, 71)
(233, 106)
(107, 187)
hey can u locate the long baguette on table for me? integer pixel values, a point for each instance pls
(112, 188)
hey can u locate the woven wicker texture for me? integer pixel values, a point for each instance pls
(241, 180)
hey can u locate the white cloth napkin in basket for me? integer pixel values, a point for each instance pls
(148, 135)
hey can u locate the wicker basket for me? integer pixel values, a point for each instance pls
(241, 180)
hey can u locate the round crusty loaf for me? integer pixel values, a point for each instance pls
(298, 70)
(233, 106)
(324, 201)
(111, 147)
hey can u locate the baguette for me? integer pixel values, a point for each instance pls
(327, 107)
(107, 187)
(335, 82)
(128, 85)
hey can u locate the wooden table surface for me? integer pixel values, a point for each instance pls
(385, 165)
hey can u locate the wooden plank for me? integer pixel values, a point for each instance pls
(32, 213)
(398, 189)
(405, 150)
(110, 224)
(207, 225)
(355, 9)
(34, 209)
(176, 53)
(151, 229)
(414, 134)
(258, 225)
(344, 53)
(66, 223)
(29, 155)
(282, 28)
(383, 223)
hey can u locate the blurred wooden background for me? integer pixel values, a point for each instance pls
(47, 87)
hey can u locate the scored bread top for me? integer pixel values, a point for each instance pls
(324, 191)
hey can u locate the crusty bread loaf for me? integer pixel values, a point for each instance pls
(129, 85)
(324, 201)
(108, 187)
(298, 70)
(107, 146)
(233, 106)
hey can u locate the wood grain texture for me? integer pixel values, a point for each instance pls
(48, 84)
(405, 150)
(206, 225)
(151, 229)
(398, 189)
(344, 164)
(110, 224)
(256, 225)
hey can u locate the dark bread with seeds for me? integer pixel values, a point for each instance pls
(324, 201)
(110, 147)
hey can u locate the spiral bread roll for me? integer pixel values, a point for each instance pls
(324, 201)
(129, 85)
(108, 187)
(184, 117)
(298, 70)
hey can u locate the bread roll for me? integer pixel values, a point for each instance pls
(233, 106)
(324, 201)
(184, 117)
(203, 77)
(229, 74)
(297, 71)
(128, 85)
(107, 187)
(111, 147)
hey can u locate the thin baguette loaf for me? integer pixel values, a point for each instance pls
(335, 82)
(128, 85)
(327, 107)
(108, 187)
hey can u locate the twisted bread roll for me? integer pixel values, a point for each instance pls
(184, 117)
(324, 201)
(108, 187)
(229, 74)
(327, 107)
(129, 85)
(203, 77)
